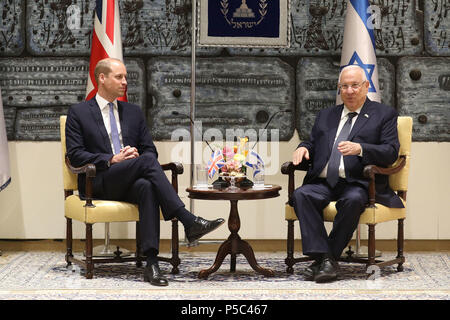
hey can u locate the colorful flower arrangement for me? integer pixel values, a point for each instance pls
(235, 158)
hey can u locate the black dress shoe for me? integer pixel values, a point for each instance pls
(328, 271)
(200, 227)
(152, 274)
(310, 272)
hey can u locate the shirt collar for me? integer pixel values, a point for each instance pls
(346, 111)
(103, 103)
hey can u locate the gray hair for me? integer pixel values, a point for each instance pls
(354, 67)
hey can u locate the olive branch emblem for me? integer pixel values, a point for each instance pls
(224, 8)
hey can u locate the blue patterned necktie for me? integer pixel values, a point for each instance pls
(114, 132)
(335, 158)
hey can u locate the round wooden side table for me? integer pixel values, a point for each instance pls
(234, 244)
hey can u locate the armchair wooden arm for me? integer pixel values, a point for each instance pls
(90, 171)
(176, 168)
(289, 169)
(371, 170)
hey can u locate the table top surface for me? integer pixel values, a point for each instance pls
(270, 191)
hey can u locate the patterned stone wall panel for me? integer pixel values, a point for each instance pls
(48, 83)
(424, 94)
(156, 27)
(59, 28)
(317, 85)
(136, 79)
(43, 82)
(38, 124)
(231, 93)
(317, 28)
(437, 27)
(10, 119)
(12, 27)
(159, 27)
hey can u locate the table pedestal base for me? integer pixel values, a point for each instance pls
(235, 245)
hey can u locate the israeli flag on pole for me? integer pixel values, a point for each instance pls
(5, 177)
(359, 43)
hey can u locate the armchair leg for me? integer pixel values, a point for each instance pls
(69, 241)
(290, 248)
(175, 247)
(400, 242)
(89, 247)
(139, 257)
(371, 248)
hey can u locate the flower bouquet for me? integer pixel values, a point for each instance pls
(233, 167)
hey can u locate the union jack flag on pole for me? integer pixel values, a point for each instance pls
(215, 163)
(359, 44)
(106, 40)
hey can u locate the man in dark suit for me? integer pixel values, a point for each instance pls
(113, 135)
(343, 140)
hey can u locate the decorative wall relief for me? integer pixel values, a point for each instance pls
(437, 27)
(317, 28)
(317, 86)
(36, 91)
(423, 92)
(12, 27)
(231, 93)
(154, 27)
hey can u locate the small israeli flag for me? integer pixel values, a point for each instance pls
(255, 162)
(359, 44)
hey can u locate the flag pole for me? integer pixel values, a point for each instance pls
(362, 53)
(114, 50)
(5, 173)
(192, 106)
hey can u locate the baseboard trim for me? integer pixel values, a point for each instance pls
(209, 245)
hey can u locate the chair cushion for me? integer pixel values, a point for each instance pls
(370, 216)
(104, 211)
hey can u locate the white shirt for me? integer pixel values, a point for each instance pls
(344, 118)
(104, 109)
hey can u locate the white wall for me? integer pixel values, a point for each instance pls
(31, 207)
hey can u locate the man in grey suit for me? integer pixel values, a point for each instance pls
(343, 140)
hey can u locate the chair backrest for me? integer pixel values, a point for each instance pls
(399, 180)
(69, 179)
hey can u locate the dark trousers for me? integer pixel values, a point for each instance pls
(143, 182)
(310, 200)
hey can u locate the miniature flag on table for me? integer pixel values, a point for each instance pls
(256, 162)
(215, 163)
(106, 40)
(359, 44)
(5, 176)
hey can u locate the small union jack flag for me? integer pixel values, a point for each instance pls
(215, 163)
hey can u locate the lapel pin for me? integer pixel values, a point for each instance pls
(366, 115)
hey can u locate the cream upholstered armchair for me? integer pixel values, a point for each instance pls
(90, 211)
(375, 213)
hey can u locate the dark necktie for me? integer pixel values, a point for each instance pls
(335, 158)
(114, 132)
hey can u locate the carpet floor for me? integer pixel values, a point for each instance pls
(44, 276)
